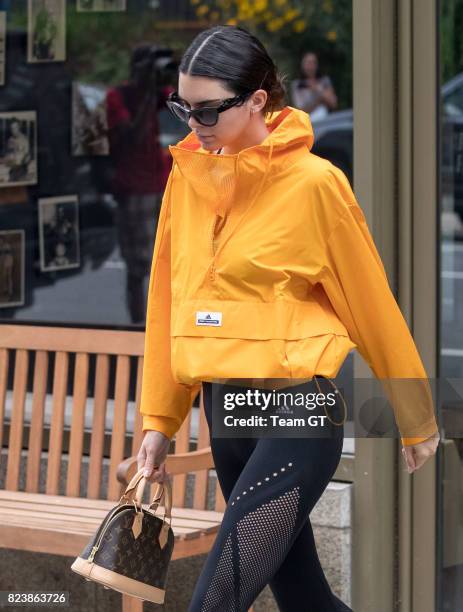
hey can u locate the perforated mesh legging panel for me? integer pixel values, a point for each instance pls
(220, 594)
(271, 485)
(253, 549)
(263, 539)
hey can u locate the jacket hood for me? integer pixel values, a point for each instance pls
(221, 179)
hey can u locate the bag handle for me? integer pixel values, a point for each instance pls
(165, 487)
(126, 497)
(134, 494)
(135, 489)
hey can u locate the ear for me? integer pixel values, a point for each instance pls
(258, 100)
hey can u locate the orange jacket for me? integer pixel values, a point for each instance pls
(264, 267)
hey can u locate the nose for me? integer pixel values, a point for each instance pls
(192, 123)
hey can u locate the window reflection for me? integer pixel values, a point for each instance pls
(450, 475)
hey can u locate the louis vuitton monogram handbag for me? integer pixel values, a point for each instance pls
(131, 550)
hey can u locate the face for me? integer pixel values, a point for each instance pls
(233, 123)
(309, 64)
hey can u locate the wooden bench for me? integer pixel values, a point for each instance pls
(40, 365)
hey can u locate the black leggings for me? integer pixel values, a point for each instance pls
(271, 486)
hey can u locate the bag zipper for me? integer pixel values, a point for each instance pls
(103, 531)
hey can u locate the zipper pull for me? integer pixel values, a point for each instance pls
(92, 554)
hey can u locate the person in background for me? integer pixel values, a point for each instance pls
(139, 175)
(313, 92)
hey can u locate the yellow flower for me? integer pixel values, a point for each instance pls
(280, 2)
(260, 5)
(299, 25)
(202, 10)
(290, 14)
(275, 24)
(231, 22)
(332, 35)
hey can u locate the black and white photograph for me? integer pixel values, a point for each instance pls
(59, 233)
(89, 120)
(46, 41)
(101, 5)
(2, 46)
(18, 148)
(12, 268)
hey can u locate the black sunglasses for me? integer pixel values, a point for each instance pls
(207, 115)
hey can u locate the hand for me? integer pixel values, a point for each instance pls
(152, 455)
(416, 455)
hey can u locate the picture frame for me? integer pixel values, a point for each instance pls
(12, 267)
(59, 235)
(18, 148)
(46, 31)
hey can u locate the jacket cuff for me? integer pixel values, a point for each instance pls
(165, 425)
(411, 441)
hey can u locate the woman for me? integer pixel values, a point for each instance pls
(263, 268)
(312, 92)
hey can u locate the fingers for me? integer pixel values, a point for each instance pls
(407, 453)
(415, 456)
(158, 474)
(151, 457)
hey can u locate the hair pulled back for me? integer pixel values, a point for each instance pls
(238, 58)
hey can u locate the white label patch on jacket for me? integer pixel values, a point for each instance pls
(205, 317)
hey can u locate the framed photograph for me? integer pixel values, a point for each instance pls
(18, 148)
(89, 120)
(12, 268)
(46, 31)
(2, 46)
(59, 233)
(101, 5)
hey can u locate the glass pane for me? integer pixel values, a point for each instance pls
(79, 201)
(450, 465)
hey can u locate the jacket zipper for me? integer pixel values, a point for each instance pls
(212, 269)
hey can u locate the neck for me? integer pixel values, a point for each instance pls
(252, 136)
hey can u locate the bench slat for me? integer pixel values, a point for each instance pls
(60, 382)
(138, 424)
(97, 514)
(182, 445)
(80, 504)
(3, 383)
(71, 523)
(98, 425)
(77, 424)
(17, 418)
(201, 480)
(121, 394)
(37, 419)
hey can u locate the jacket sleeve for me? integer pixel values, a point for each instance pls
(164, 402)
(356, 283)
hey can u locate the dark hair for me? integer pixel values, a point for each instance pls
(140, 53)
(236, 57)
(318, 73)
